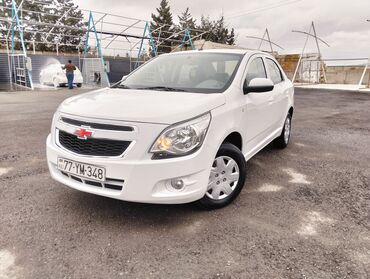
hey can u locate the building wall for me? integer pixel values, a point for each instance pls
(4, 68)
(347, 74)
(288, 63)
(334, 74)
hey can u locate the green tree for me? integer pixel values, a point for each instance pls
(217, 31)
(231, 37)
(162, 27)
(186, 21)
(29, 11)
(221, 32)
(72, 33)
(207, 25)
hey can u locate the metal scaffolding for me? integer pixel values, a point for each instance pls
(316, 64)
(105, 34)
(266, 38)
(20, 70)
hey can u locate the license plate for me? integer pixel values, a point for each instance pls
(81, 169)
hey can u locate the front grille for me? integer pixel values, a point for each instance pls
(92, 146)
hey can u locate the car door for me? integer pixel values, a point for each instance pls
(279, 97)
(257, 119)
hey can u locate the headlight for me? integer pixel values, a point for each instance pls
(181, 139)
(55, 120)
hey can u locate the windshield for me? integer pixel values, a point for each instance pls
(198, 72)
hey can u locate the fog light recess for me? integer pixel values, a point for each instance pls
(177, 184)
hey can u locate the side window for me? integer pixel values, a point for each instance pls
(256, 69)
(274, 71)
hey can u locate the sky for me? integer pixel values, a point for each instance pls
(341, 23)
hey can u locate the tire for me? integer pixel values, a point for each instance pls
(283, 140)
(55, 83)
(225, 181)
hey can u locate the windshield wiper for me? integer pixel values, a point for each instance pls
(163, 88)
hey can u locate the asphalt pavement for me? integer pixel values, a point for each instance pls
(303, 213)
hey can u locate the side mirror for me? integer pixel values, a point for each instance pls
(258, 85)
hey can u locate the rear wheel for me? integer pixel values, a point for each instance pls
(55, 83)
(283, 140)
(226, 179)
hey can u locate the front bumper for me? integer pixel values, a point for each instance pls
(144, 180)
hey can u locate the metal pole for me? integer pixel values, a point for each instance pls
(87, 35)
(300, 57)
(268, 37)
(363, 73)
(99, 47)
(318, 49)
(141, 45)
(101, 28)
(20, 31)
(263, 37)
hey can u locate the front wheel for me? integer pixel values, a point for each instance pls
(226, 179)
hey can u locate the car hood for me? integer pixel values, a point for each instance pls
(162, 107)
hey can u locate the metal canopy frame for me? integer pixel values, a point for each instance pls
(116, 35)
(91, 25)
(111, 28)
(24, 73)
(187, 38)
(266, 38)
(151, 41)
(311, 34)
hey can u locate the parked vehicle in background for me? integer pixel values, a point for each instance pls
(53, 74)
(178, 129)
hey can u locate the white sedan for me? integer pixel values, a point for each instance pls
(178, 129)
(53, 74)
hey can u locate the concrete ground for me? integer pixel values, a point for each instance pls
(304, 211)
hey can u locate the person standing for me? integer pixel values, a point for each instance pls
(70, 68)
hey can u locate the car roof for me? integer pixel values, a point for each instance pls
(221, 50)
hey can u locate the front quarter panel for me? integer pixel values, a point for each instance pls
(225, 120)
